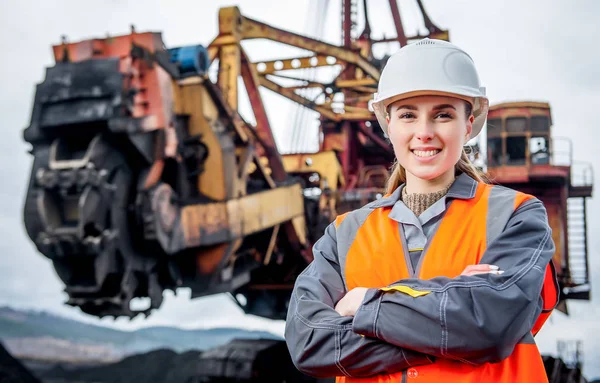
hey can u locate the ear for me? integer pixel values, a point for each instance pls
(469, 128)
(388, 112)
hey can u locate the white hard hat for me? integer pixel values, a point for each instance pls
(430, 67)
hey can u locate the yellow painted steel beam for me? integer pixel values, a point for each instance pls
(357, 110)
(355, 83)
(229, 54)
(229, 72)
(230, 20)
(359, 85)
(293, 63)
(223, 40)
(213, 51)
(364, 89)
(351, 113)
(356, 116)
(310, 85)
(192, 98)
(218, 222)
(325, 163)
(233, 28)
(252, 29)
(328, 113)
(358, 99)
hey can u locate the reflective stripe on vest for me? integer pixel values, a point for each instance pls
(371, 255)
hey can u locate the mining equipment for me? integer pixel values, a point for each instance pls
(145, 176)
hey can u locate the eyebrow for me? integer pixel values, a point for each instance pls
(437, 107)
(443, 106)
(409, 107)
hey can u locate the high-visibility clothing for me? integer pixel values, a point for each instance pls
(429, 324)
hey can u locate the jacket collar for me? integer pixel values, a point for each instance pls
(464, 187)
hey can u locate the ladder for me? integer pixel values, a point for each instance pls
(577, 240)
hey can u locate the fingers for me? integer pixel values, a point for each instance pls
(495, 272)
(482, 269)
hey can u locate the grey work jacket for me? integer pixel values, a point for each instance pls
(387, 329)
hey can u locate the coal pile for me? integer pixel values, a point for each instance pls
(12, 371)
(155, 366)
(246, 360)
(238, 361)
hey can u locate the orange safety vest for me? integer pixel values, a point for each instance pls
(458, 242)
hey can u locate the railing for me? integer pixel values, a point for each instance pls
(561, 152)
(582, 174)
(555, 151)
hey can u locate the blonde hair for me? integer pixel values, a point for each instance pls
(464, 165)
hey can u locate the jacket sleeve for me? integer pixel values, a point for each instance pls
(322, 342)
(474, 319)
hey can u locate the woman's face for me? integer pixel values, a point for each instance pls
(428, 134)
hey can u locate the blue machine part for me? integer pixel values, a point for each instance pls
(192, 59)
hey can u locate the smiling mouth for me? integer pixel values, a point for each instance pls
(426, 153)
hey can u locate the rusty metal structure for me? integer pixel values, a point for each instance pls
(523, 154)
(146, 177)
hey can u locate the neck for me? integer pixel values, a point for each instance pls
(418, 185)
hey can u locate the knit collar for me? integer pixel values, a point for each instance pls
(419, 202)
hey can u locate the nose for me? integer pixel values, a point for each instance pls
(424, 131)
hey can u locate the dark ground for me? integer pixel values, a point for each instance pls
(12, 371)
(238, 361)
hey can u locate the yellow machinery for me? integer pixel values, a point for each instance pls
(146, 177)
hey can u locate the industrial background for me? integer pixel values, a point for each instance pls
(170, 153)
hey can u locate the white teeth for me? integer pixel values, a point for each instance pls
(425, 153)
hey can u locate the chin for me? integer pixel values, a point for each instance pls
(427, 174)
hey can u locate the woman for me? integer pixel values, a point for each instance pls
(444, 279)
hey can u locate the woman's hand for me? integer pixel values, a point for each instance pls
(349, 304)
(482, 269)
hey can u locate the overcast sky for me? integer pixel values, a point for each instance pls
(525, 50)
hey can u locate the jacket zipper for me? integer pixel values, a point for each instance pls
(404, 376)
